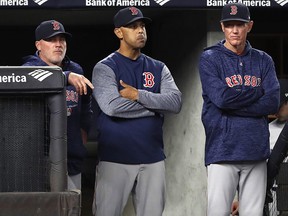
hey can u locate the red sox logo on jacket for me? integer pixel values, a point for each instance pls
(248, 80)
(148, 80)
(72, 99)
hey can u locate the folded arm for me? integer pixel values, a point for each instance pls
(220, 93)
(106, 93)
(169, 98)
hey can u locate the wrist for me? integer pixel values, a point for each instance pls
(137, 97)
(67, 73)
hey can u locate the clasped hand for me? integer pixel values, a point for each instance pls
(128, 91)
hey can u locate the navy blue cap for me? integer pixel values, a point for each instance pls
(129, 15)
(50, 28)
(235, 12)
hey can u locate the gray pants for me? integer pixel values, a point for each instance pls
(223, 180)
(74, 182)
(115, 182)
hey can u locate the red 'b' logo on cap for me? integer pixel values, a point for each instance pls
(233, 10)
(134, 11)
(56, 25)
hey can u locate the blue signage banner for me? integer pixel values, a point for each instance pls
(138, 3)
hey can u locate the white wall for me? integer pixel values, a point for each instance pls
(184, 133)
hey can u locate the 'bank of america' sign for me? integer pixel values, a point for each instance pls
(138, 3)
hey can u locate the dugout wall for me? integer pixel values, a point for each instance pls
(33, 143)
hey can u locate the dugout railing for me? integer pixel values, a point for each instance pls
(33, 143)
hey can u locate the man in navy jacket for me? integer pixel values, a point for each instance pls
(51, 51)
(240, 89)
(133, 91)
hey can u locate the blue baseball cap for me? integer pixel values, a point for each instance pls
(235, 12)
(48, 29)
(129, 15)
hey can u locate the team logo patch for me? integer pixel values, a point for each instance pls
(69, 111)
(72, 95)
(134, 11)
(40, 2)
(234, 10)
(40, 74)
(56, 25)
(247, 80)
(148, 80)
(161, 2)
(282, 2)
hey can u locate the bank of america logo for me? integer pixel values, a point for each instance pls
(40, 2)
(282, 2)
(40, 74)
(161, 2)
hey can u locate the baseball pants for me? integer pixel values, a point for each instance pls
(223, 181)
(115, 182)
(74, 182)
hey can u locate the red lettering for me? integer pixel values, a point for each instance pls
(240, 79)
(72, 96)
(254, 81)
(228, 81)
(247, 80)
(234, 80)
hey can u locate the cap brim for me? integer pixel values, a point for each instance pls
(235, 19)
(67, 35)
(144, 19)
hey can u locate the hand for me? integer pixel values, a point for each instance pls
(235, 208)
(80, 82)
(128, 91)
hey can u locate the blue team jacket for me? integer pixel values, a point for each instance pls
(132, 140)
(239, 91)
(78, 114)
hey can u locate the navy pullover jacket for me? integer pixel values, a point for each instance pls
(239, 91)
(130, 132)
(79, 114)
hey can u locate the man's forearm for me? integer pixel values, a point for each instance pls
(168, 100)
(109, 99)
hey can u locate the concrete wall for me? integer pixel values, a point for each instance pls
(178, 39)
(184, 134)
